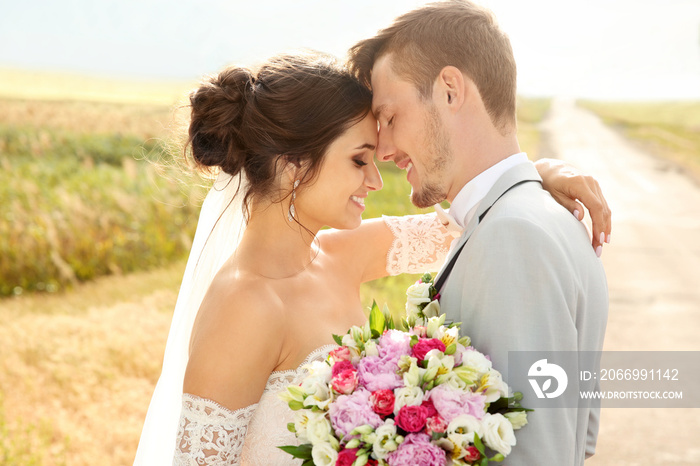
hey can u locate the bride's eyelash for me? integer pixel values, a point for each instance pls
(360, 162)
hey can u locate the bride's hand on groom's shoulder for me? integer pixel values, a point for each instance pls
(571, 188)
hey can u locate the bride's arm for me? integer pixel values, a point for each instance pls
(419, 243)
(235, 347)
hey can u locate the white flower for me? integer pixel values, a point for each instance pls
(443, 362)
(324, 454)
(412, 377)
(385, 441)
(517, 418)
(301, 420)
(417, 294)
(476, 361)
(460, 432)
(407, 396)
(349, 341)
(371, 349)
(452, 380)
(318, 392)
(434, 324)
(495, 386)
(498, 433)
(318, 429)
(320, 370)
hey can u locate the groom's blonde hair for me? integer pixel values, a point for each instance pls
(457, 33)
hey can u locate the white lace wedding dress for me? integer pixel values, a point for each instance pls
(210, 434)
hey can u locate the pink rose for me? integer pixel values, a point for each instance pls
(419, 331)
(411, 418)
(417, 449)
(341, 366)
(424, 345)
(346, 457)
(472, 454)
(383, 402)
(435, 424)
(345, 382)
(341, 353)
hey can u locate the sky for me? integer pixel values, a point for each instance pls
(603, 49)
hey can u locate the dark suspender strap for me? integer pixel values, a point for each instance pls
(448, 269)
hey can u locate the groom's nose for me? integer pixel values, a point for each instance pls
(385, 146)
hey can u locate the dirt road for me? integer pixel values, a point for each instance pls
(653, 269)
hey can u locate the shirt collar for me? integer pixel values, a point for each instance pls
(468, 198)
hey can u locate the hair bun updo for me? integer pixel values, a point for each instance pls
(218, 115)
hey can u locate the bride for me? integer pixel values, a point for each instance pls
(265, 287)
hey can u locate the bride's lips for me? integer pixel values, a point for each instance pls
(358, 201)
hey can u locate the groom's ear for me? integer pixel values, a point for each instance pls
(449, 90)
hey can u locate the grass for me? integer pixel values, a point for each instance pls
(79, 365)
(667, 129)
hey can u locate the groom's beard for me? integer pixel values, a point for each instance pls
(437, 153)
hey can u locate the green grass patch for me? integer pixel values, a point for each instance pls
(667, 129)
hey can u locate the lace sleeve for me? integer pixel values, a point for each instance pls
(210, 434)
(421, 244)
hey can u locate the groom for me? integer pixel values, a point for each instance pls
(523, 276)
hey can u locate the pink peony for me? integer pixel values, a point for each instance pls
(342, 353)
(412, 418)
(342, 366)
(351, 411)
(377, 373)
(345, 382)
(451, 403)
(383, 402)
(435, 424)
(417, 449)
(421, 348)
(394, 344)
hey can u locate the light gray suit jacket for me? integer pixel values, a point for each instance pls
(528, 280)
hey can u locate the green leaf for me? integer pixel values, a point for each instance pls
(389, 318)
(479, 445)
(338, 340)
(296, 405)
(291, 428)
(301, 451)
(377, 321)
(308, 463)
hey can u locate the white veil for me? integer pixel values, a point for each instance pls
(221, 225)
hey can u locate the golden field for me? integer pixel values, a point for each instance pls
(79, 365)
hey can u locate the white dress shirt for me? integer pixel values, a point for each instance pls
(467, 200)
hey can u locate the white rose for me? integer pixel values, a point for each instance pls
(517, 418)
(385, 441)
(476, 361)
(418, 293)
(407, 396)
(324, 454)
(498, 433)
(319, 370)
(318, 429)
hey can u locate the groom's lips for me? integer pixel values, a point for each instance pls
(403, 163)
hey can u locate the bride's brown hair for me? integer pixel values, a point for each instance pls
(289, 111)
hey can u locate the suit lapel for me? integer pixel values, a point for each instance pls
(518, 174)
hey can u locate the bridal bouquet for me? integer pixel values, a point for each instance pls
(404, 394)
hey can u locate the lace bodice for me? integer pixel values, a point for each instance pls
(210, 434)
(421, 244)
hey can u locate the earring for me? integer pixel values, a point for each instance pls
(292, 211)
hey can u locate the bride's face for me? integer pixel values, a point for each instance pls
(348, 173)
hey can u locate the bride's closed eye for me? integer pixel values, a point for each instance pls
(359, 162)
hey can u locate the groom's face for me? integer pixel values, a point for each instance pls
(411, 134)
